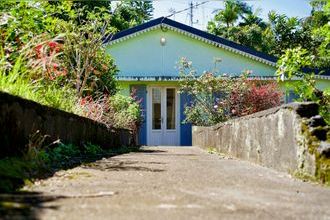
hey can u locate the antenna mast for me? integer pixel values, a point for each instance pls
(191, 5)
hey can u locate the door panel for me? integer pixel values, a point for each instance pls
(170, 109)
(156, 109)
(163, 127)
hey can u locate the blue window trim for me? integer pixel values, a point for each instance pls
(185, 128)
(141, 93)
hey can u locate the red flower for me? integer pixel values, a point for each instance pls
(52, 44)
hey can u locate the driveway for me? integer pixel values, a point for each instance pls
(176, 183)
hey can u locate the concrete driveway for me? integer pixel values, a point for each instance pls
(177, 183)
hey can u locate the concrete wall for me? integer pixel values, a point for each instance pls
(278, 138)
(19, 118)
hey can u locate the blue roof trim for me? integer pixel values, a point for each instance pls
(134, 29)
(321, 72)
(178, 78)
(203, 34)
(148, 78)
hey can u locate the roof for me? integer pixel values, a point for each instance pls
(164, 22)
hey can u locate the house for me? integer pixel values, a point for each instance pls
(147, 57)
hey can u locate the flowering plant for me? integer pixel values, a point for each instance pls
(219, 97)
(45, 57)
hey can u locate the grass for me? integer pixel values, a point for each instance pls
(17, 83)
(212, 150)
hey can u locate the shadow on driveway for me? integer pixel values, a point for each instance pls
(28, 205)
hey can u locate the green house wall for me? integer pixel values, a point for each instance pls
(143, 55)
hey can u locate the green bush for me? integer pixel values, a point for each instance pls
(127, 111)
(64, 152)
(115, 111)
(91, 149)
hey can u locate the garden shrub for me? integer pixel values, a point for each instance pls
(64, 152)
(217, 98)
(127, 111)
(62, 65)
(91, 70)
(255, 97)
(115, 111)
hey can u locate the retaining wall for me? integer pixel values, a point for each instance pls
(20, 118)
(290, 138)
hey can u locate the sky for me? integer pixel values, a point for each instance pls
(204, 12)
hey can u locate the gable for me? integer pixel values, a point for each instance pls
(144, 56)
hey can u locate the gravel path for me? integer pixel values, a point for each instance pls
(176, 183)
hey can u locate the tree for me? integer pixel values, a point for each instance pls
(243, 25)
(131, 13)
(252, 18)
(91, 5)
(296, 61)
(240, 23)
(229, 14)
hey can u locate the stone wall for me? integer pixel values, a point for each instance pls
(290, 138)
(20, 118)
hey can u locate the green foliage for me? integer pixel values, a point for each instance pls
(52, 53)
(230, 13)
(91, 149)
(14, 82)
(58, 97)
(131, 13)
(64, 152)
(17, 83)
(115, 111)
(294, 62)
(278, 33)
(290, 67)
(90, 68)
(68, 56)
(300, 43)
(321, 33)
(13, 172)
(81, 28)
(127, 111)
(20, 22)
